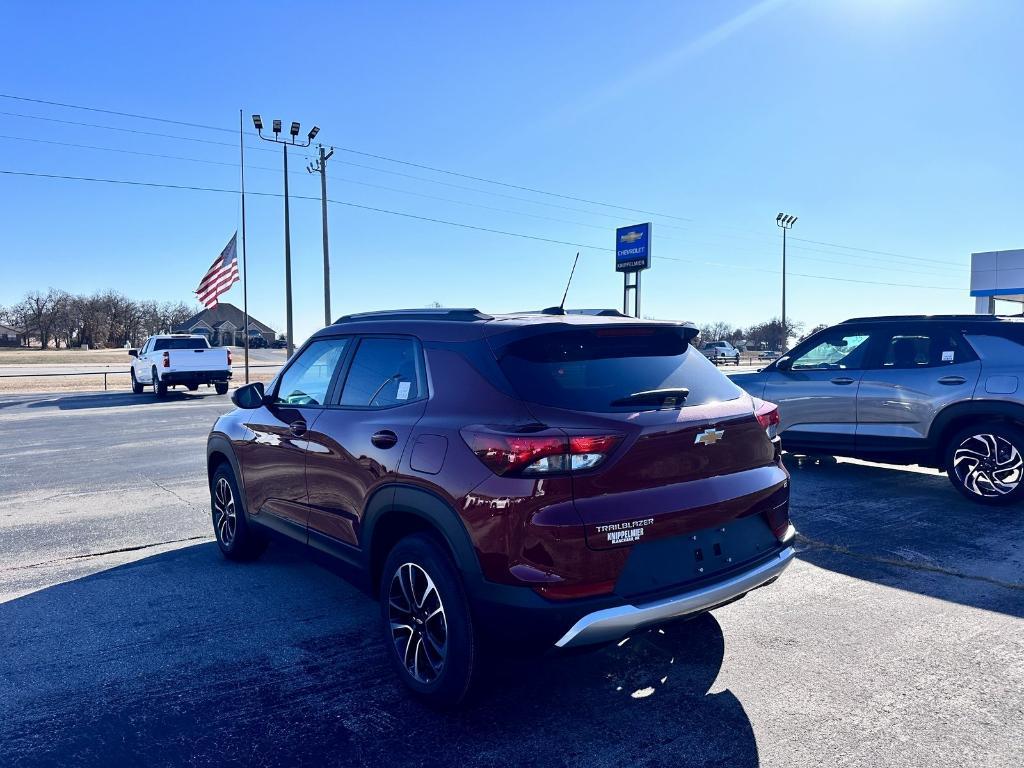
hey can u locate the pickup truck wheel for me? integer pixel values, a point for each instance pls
(136, 385)
(159, 387)
(221, 387)
(192, 387)
(433, 645)
(985, 462)
(235, 537)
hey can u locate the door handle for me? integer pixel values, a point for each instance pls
(298, 428)
(842, 380)
(952, 380)
(384, 439)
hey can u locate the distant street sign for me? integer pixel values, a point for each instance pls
(633, 248)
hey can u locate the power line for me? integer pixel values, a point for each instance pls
(421, 166)
(462, 225)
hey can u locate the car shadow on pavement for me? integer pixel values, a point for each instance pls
(184, 658)
(116, 399)
(910, 529)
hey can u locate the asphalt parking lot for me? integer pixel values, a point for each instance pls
(897, 639)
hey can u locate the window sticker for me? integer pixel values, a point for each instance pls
(947, 356)
(403, 390)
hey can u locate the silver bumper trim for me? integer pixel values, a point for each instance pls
(613, 623)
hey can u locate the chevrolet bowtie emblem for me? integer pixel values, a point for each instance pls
(631, 237)
(709, 436)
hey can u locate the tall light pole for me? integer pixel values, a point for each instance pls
(293, 132)
(786, 222)
(320, 166)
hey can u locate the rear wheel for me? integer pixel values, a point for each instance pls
(193, 387)
(986, 463)
(136, 384)
(434, 646)
(235, 537)
(221, 387)
(159, 387)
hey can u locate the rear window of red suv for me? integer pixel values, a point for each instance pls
(592, 369)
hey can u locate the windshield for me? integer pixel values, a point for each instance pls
(589, 370)
(199, 343)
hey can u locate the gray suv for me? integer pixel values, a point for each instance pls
(943, 391)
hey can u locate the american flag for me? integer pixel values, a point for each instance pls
(223, 273)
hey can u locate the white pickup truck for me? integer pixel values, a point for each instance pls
(168, 360)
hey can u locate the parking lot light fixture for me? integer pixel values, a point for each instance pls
(294, 132)
(313, 132)
(785, 222)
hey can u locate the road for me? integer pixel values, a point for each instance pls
(895, 640)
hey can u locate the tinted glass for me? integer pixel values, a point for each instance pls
(592, 369)
(384, 372)
(924, 348)
(834, 352)
(307, 379)
(180, 344)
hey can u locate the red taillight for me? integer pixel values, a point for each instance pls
(167, 359)
(768, 417)
(229, 358)
(527, 455)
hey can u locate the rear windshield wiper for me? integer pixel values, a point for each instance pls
(670, 397)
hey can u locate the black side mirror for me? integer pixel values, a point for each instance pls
(250, 396)
(783, 364)
(133, 353)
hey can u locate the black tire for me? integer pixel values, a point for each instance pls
(221, 387)
(235, 537)
(159, 387)
(446, 649)
(192, 387)
(985, 462)
(136, 386)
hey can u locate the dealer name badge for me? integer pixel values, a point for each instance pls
(625, 533)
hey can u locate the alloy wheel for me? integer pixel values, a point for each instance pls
(225, 518)
(419, 628)
(988, 465)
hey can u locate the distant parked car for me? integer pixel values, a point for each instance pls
(941, 391)
(768, 354)
(179, 359)
(279, 344)
(721, 352)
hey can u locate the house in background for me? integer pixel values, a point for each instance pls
(11, 337)
(224, 326)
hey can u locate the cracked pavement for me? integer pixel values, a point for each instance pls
(895, 640)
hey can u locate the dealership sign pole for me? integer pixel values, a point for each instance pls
(632, 256)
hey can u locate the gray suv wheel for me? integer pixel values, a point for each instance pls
(986, 463)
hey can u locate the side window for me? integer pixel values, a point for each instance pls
(930, 347)
(385, 372)
(835, 351)
(307, 380)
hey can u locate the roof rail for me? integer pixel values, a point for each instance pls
(598, 312)
(982, 318)
(462, 315)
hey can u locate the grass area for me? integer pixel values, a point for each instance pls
(30, 356)
(115, 383)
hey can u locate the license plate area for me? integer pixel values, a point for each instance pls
(673, 562)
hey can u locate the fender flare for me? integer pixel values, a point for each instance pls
(978, 409)
(427, 506)
(219, 443)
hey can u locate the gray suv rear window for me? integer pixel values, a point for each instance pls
(588, 370)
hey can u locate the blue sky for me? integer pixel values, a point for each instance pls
(891, 126)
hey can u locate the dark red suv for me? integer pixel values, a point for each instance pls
(534, 480)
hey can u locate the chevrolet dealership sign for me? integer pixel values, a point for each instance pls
(633, 248)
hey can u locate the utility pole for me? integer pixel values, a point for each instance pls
(257, 121)
(320, 166)
(785, 222)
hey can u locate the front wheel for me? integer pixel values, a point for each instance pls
(136, 384)
(434, 646)
(986, 463)
(235, 537)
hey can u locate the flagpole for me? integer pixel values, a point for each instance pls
(245, 268)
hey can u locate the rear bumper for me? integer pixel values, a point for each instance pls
(194, 377)
(612, 623)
